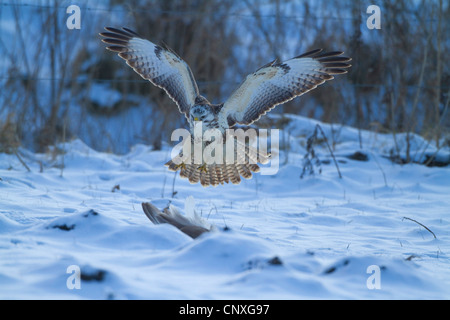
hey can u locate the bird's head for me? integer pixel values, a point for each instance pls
(201, 113)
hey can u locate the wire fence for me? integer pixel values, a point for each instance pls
(340, 105)
(157, 11)
(209, 83)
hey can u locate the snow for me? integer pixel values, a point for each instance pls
(319, 237)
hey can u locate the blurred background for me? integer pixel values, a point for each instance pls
(58, 83)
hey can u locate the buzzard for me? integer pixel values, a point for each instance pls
(270, 85)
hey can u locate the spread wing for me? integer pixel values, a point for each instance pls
(277, 83)
(156, 63)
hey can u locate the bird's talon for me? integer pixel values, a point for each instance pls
(202, 168)
(181, 165)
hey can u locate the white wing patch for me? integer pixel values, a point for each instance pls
(246, 93)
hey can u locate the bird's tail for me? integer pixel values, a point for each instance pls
(243, 165)
(214, 174)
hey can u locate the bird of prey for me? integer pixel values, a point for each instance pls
(272, 84)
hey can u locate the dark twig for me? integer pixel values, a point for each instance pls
(420, 225)
(21, 160)
(173, 184)
(310, 160)
(311, 155)
(331, 152)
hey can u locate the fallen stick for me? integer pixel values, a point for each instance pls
(421, 225)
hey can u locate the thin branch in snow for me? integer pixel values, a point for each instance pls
(311, 155)
(21, 160)
(173, 184)
(420, 225)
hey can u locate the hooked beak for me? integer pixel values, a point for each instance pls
(195, 119)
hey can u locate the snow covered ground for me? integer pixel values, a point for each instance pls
(320, 237)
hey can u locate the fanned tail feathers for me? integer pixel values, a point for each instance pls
(245, 163)
(215, 174)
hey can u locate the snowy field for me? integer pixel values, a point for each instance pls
(320, 237)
